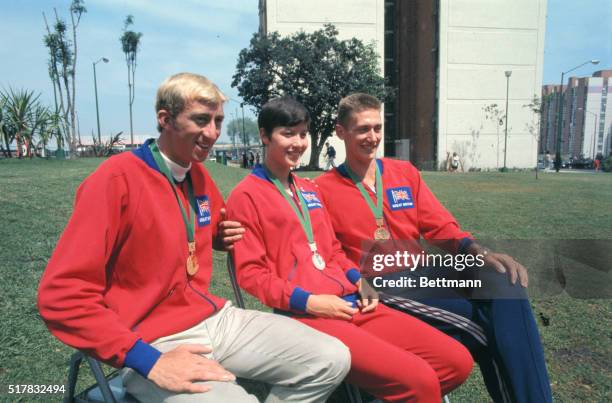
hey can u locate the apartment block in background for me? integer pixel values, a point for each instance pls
(586, 116)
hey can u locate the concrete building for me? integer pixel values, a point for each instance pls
(586, 116)
(548, 123)
(447, 59)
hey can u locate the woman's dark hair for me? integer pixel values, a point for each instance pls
(283, 111)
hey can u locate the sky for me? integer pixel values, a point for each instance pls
(198, 36)
(577, 31)
(205, 37)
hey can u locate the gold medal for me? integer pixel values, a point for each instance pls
(381, 233)
(192, 260)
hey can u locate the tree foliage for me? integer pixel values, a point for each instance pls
(236, 134)
(63, 53)
(130, 42)
(317, 69)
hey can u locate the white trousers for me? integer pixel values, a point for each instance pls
(300, 363)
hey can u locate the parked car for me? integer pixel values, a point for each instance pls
(582, 163)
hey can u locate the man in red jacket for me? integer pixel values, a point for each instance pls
(128, 282)
(387, 200)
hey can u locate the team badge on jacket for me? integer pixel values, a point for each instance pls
(203, 213)
(400, 198)
(312, 201)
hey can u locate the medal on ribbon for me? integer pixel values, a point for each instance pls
(192, 260)
(304, 217)
(192, 265)
(381, 233)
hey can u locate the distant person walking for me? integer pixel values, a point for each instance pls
(251, 159)
(597, 162)
(245, 161)
(454, 163)
(548, 160)
(330, 154)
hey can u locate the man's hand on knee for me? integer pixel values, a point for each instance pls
(177, 370)
(503, 264)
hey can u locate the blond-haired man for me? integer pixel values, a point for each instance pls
(129, 279)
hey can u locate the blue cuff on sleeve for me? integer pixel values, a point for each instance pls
(353, 275)
(464, 244)
(298, 299)
(141, 357)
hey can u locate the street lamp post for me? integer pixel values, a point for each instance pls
(244, 135)
(560, 113)
(508, 74)
(246, 139)
(105, 60)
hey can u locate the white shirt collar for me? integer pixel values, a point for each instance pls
(178, 172)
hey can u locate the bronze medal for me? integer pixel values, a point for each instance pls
(192, 260)
(381, 233)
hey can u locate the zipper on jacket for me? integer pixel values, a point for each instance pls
(202, 295)
(153, 308)
(339, 283)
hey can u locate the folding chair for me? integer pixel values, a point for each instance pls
(108, 389)
(352, 392)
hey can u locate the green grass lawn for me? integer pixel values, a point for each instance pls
(36, 200)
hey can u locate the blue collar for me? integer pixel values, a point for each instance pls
(144, 153)
(260, 172)
(342, 168)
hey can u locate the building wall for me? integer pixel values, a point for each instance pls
(411, 35)
(479, 41)
(592, 105)
(361, 19)
(548, 124)
(605, 128)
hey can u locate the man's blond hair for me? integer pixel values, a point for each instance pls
(355, 103)
(180, 89)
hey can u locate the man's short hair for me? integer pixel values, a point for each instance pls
(283, 111)
(355, 103)
(180, 89)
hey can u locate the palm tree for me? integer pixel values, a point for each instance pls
(42, 126)
(130, 41)
(4, 128)
(18, 109)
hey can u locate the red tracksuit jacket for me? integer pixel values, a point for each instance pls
(118, 272)
(273, 260)
(410, 209)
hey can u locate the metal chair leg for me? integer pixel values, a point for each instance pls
(232, 275)
(96, 369)
(73, 375)
(352, 391)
